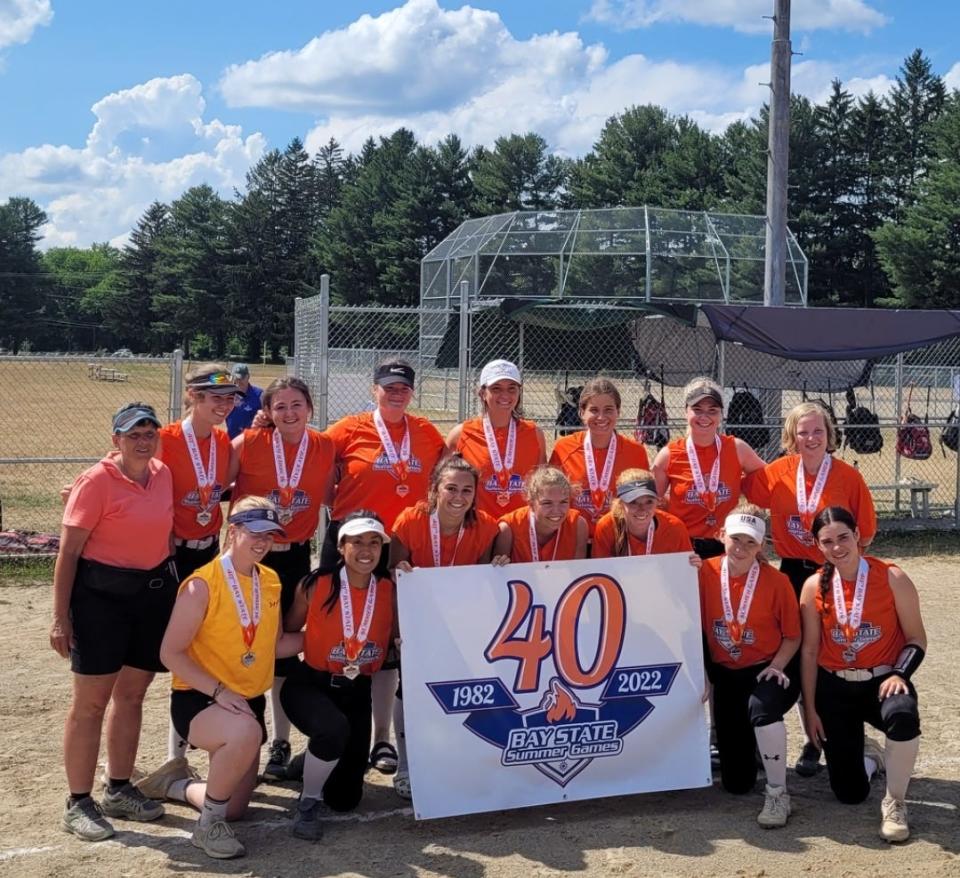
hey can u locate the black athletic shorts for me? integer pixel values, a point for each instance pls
(185, 704)
(113, 630)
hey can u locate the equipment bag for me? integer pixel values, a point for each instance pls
(745, 420)
(862, 432)
(913, 435)
(568, 418)
(950, 434)
(651, 426)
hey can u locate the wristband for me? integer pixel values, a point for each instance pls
(217, 691)
(909, 660)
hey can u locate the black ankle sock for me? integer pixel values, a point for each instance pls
(77, 798)
(114, 783)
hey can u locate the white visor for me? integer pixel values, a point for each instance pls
(745, 525)
(356, 526)
(499, 370)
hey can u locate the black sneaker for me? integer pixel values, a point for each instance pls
(809, 762)
(306, 820)
(277, 760)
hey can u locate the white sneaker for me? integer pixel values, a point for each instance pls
(893, 825)
(776, 808)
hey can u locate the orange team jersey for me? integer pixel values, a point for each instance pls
(775, 488)
(568, 456)
(323, 635)
(186, 498)
(774, 614)
(880, 637)
(472, 444)
(683, 499)
(412, 528)
(670, 536)
(560, 547)
(258, 477)
(367, 481)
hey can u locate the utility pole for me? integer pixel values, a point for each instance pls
(778, 157)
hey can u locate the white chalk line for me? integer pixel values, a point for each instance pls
(13, 853)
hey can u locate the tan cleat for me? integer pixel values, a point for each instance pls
(156, 784)
(893, 825)
(776, 808)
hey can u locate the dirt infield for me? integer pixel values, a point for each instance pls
(704, 832)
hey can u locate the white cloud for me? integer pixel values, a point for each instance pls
(746, 16)
(952, 77)
(148, 143)
(20, 18)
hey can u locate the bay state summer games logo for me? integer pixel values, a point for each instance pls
(558, 731)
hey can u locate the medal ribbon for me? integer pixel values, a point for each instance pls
(352, 645)
(599, 488)
(850, 622)
(807, 507)
(205, 479)
(248, 626)
(288, 484)
(436, 543)
(708, 493)
(746, 599)
(534, 544)
(501, 466)
(398, 460)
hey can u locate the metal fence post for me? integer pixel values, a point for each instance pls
(464, 356)
(324, 352)
(897, 405)
(176, 385)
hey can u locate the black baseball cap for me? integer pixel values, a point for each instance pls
(394, 373)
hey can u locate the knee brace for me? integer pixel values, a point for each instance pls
(901, 717)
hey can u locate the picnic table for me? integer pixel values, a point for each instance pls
(919, 494)
(99, 372)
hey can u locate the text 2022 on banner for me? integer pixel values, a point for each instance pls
(538, 683)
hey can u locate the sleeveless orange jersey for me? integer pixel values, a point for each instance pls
(880, 638)
(775, 488)
(670, 536)
(472, 444)
(413, 530)
(258, 477)
(323, 635)
(186, 499)
(218, 644)
(560, 547)
(774, 615)
(366, 479)
(683, 500)
(568, 455)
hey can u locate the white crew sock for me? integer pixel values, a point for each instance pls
(315, 774)
(176, 746)
(772, 741)
(870, 767)
(279, 719)
(213, 811)
(383, 692)
(177, 791)
(400, 731)
(900, 757)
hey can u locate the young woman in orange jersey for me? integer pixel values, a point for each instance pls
(702, 470)
(445, 531)
(501, 445)
(291, 465)
(635, 526)
(348, 612)
(863, 639)
(594, 458)
(220, 646)
(795, 488)
(751, 628)
(546, 529)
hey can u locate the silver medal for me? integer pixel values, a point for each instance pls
(351, 671)
(247, 659)
(285, 515)
(204, 517)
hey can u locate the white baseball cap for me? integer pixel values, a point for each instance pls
(356, 526)
(744, 524)
(498, 370)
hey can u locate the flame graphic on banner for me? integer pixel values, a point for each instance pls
(559, 703)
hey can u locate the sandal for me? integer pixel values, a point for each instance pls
(401, 785)
(383, 757)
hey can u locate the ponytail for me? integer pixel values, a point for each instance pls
(621, 537)
(826, 580)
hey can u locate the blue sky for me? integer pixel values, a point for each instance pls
(109, 106)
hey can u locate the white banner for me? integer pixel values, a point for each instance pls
(552, 682)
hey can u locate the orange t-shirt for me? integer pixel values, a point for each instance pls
(560, 547)
(880, 637)
(683, 499)
(323, 635)
(412, 528)
(366, 479)
(472, 444)
(774, 615)
(775, 488)
(129, 523)
(186, 499)
(568, 455)
(258, 477)
(670, 536)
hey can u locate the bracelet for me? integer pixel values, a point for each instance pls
(217, 691)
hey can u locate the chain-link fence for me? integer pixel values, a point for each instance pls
(558, 352)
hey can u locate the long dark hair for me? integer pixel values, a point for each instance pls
(453, 463)
(830, 515)
(310, 580)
